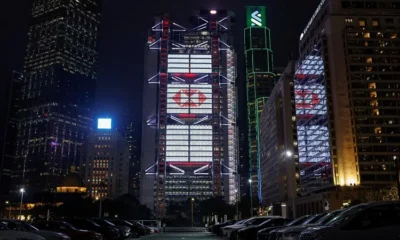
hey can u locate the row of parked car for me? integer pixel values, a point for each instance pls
(72, 229)
(364, 221)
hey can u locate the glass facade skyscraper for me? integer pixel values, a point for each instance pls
(189, 135)
(260, 80)
(58, 90)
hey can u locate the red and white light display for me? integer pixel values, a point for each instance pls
(189, 99)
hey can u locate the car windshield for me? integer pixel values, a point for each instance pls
(328, 217)
(266, 223)
(241, 222)
(93, 223)
(313, 219)
(256, 221)
(297, 221)
(69, 226)
(28, 227)
(103, 222)
(345, 214)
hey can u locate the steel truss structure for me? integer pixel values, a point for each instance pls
(195, 121)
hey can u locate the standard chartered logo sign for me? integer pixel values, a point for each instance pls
(256, 19)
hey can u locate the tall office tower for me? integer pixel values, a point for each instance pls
(260, 82)
(189, 142)
(106, 160)
(243, 167)
(58, 91)
(132, 134)
(347, 93)
(279, 149)
(11, 127)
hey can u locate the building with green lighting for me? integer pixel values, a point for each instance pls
(260, 82)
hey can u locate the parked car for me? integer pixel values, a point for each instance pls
(217, 227)
(26, 227)
(5, 233)
(264, 233)
(154, 225)
(372, 221)
(108, 233)
(293, 232)
(223, 230)
(135, 230)
(124, 232)
(64, 227)
(231, 231)
(146, 229)
(250, 232)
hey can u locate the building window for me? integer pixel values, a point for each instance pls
(375, 22)
(367, 35)
(362, 23)
(348, 20)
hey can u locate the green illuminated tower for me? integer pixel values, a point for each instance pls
(260, 82)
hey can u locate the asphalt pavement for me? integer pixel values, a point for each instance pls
(181, 236)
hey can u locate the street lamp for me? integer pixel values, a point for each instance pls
(192, 202)
(289, 154)
(97, 199)
(251, 198)
(396, 162)
(9, 209)
(22, 190)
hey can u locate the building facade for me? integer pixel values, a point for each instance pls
(132, 133)
(11, 128)
(189, 142)
(107, 159)
(260, 80)
(347, 83)
(57, 92)
(279, 151)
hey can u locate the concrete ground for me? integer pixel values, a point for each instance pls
(181, 236)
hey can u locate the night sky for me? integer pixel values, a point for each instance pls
(123, 34)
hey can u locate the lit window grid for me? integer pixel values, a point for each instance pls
(178, 63)
(181, 148)
(312, 128)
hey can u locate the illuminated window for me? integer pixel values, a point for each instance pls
(373, 94)
(377, 130)
(372, 86)
(375, 23)
(361, 23)
(367, 35)
(348, 20)
(375, 112)
(393, 36)
(374, 103)
(369, 60)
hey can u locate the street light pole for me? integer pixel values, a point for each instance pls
(289, 154)
(192, 212)
(251, 199)
(9, 209)
(99, 198)
(22, 199)
(397, 176)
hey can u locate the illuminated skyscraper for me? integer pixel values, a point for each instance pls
(189, 142)
(57, 92)
(347, 98)
(107, 158)
(279, 152)
(260, 82)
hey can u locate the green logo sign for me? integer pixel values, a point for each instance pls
(256, 16)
